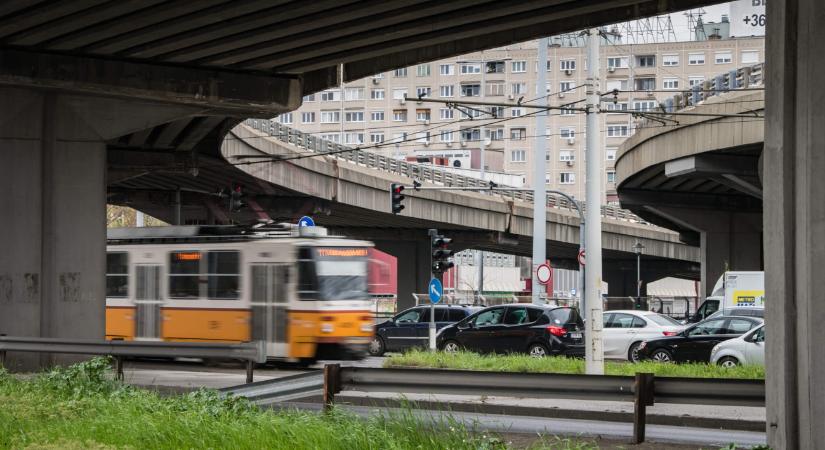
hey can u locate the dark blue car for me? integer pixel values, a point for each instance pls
(410, 328)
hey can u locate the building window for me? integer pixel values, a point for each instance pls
(399, 115)
(330, 116)
(422, 115)
(378, 76)
(723, 57)
(446, 69)
(446, 136)
(566, 155)
(644, 106)
(496, 111)
(117, 274)
(615, 107)
(399, 137)
(547, 178)
(446, 90)
(332, 137)
(495, 66)
(610, 154)
(495, 88)
(494, 134)
(423, 137)
(470, 68)
(518, 134)
(331, 96)
(616, 85)
(309, 98)
(285, 118)
(377, 116)
(422, 91)
(618, 62)
(516, 112)
(696, 59)
(646, 61)
(377, 94)
(617, 131)
(645, 84)
(750, 56)
(567, 64)
(400, 73)
(377, 138)
(547, 133)
(518, 66)
(467, 113)
(567, 132)
(471, 134)
(399, 93)
(565, 86)
(567, 178)
(470, 90)
(566, 112)
(670, 83)
(354, 116)
(353, 138)
(423, 70)
(519, 88)
(354, 94)
(695, 80)
(611, 176)
(308, 117)
(518, 155)
(670, 60)
(446, 113)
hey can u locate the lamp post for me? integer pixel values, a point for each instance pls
(638, 248)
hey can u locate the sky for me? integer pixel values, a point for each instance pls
(713, 14)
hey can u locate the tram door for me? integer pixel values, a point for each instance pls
(270, 295)
(147, 302)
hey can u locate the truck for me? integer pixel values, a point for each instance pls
(734, 289)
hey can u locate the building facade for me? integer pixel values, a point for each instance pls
(373, 112)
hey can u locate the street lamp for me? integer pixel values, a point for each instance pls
(637, 249)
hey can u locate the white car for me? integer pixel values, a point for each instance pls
(625, 330)
(746, 349)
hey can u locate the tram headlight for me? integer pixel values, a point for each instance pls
(327, 328)
(366, 328)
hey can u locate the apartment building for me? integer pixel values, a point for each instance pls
(373, 111)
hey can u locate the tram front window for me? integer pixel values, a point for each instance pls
(333, 273)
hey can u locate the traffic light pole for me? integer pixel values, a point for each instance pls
(432, 332)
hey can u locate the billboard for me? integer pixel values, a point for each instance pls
(747, 18)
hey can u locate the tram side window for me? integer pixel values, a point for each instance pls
(223, 274)
(117, 274)
(307, 275)
(184, 274)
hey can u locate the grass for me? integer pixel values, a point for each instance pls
(81, 407)
(527, 364)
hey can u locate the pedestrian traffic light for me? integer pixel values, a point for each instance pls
(236, 202)
(441, 254)
(396, 197)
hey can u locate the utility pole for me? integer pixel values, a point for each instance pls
(594, 350)
(539, 173)
(481, 131)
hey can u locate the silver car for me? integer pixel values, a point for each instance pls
(746, 349)
(625, 330)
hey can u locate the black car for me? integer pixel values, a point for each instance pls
(518, 328)
(695, 343)
(410, 328)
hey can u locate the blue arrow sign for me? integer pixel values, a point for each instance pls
(436, 290)
(306, 221)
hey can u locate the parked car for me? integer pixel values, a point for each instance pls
(625, 330)
(517, 328)
(410, 328)
(696, 342)
(746, 349)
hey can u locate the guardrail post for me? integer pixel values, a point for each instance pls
(332, 384)
(250, 370)
(119, 368)
(642, 398)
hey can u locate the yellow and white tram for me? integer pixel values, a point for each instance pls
(300, 291)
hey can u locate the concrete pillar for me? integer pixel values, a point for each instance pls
(53, 225)
(794, 223)
(413, 267)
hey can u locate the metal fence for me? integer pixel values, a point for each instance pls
(422, 172)
(742, 78)
(643, 389)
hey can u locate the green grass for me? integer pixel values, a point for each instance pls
(527, 364)
(80, 407)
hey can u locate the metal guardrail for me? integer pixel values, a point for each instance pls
(279, 389)
(742, 78)
(643, 389)
(422, 172)
(253, 352)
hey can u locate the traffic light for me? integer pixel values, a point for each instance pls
(441, 254)
(236, 202)
(396, 197)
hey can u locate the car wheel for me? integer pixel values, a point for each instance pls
(537, 351)
(376, 347)
(633, 352)
(451, 347)
(728, 361)
(661, 355)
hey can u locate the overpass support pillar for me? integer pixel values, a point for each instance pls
(794, 221)
(413, 267)
(621, 281)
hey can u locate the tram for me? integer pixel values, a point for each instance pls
(302, 292)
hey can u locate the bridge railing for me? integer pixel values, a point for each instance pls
(741, 78)
(422, 172)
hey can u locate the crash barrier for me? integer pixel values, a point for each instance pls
(251, 353)
(279, 389)
(643, 390)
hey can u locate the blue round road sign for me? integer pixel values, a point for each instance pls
(306, 221)
(436, 290)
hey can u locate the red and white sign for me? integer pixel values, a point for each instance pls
(544, 274)
(580, 257)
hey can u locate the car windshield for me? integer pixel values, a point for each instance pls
(333, 273)
(660, 319)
